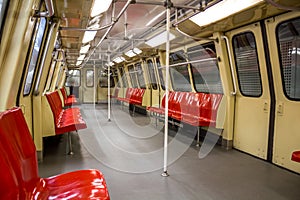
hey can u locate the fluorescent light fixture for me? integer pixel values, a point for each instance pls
(111, 64)
(85, 49)
(222, 10)
(130, 53)
(159, 39)
(88, 36)
(119, 59)
(78, 62)
(100, 6)
(137, 50)
(133, 52)
(81, 57)
(155, 18)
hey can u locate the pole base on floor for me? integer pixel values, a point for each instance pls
(165, 174)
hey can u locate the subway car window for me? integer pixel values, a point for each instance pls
(247, 65)
(89, 77)
(73, 78)
(3, 8)
(124, 78)
(59, 76)
(50, 74)
(206, 75)
(103, 80)
(160, 73)
(132, 75)
(152, 76)
(140, 75)
(179, 73)
(289, 42)
(34, 56)
(115, 77)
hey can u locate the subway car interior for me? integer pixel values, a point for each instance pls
(150, 99)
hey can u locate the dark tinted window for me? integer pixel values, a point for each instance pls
(289, 51)
(35, 55)
(247, 65)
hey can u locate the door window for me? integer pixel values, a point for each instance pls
(246, 61)
(289, 53)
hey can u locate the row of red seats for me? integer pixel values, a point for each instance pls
(18, 163)
(196, 109)
(68, 100)
(65, 120)
(133, 96)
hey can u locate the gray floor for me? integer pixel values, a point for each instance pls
(128, 150)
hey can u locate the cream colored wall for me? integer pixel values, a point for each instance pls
(16, 37)
(228, 100)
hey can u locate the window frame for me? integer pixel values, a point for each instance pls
(153, 83)
(76, 76)
(257, 61)
(86, 78)
(140, 75)
(184, 65)
(200, 49)
(27, 89)
(160, 74)
(280, 59)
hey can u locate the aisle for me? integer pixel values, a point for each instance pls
(128, 151)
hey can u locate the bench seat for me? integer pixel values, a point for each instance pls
(133, 96)
(65, 120)
(68, 100)
(196, 109)
(18, 162)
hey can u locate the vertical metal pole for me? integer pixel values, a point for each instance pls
(108, 79)
(165, 172)
(95, 84)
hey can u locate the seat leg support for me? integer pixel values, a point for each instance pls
(198, 137)
(70, 143)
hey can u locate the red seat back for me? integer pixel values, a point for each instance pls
(64, 93)
(18, 156)
(55, 104)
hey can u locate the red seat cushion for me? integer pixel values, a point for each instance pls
(296, 156)
(18, 163)
(65, 120)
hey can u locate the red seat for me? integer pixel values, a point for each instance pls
(137, 96)
(68, 100)
(18, 163)
(65, 120)
(296, 156)
(196, 109)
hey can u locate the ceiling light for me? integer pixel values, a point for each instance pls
(100, 6)
(130, 53)
(85, 49)
(159, 39)
(222, 10)
(119, 59)
(81, 57)
(88, 36)
(78, 62)
(137, 50)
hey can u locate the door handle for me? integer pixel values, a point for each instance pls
(266, 107)
(280, 109)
